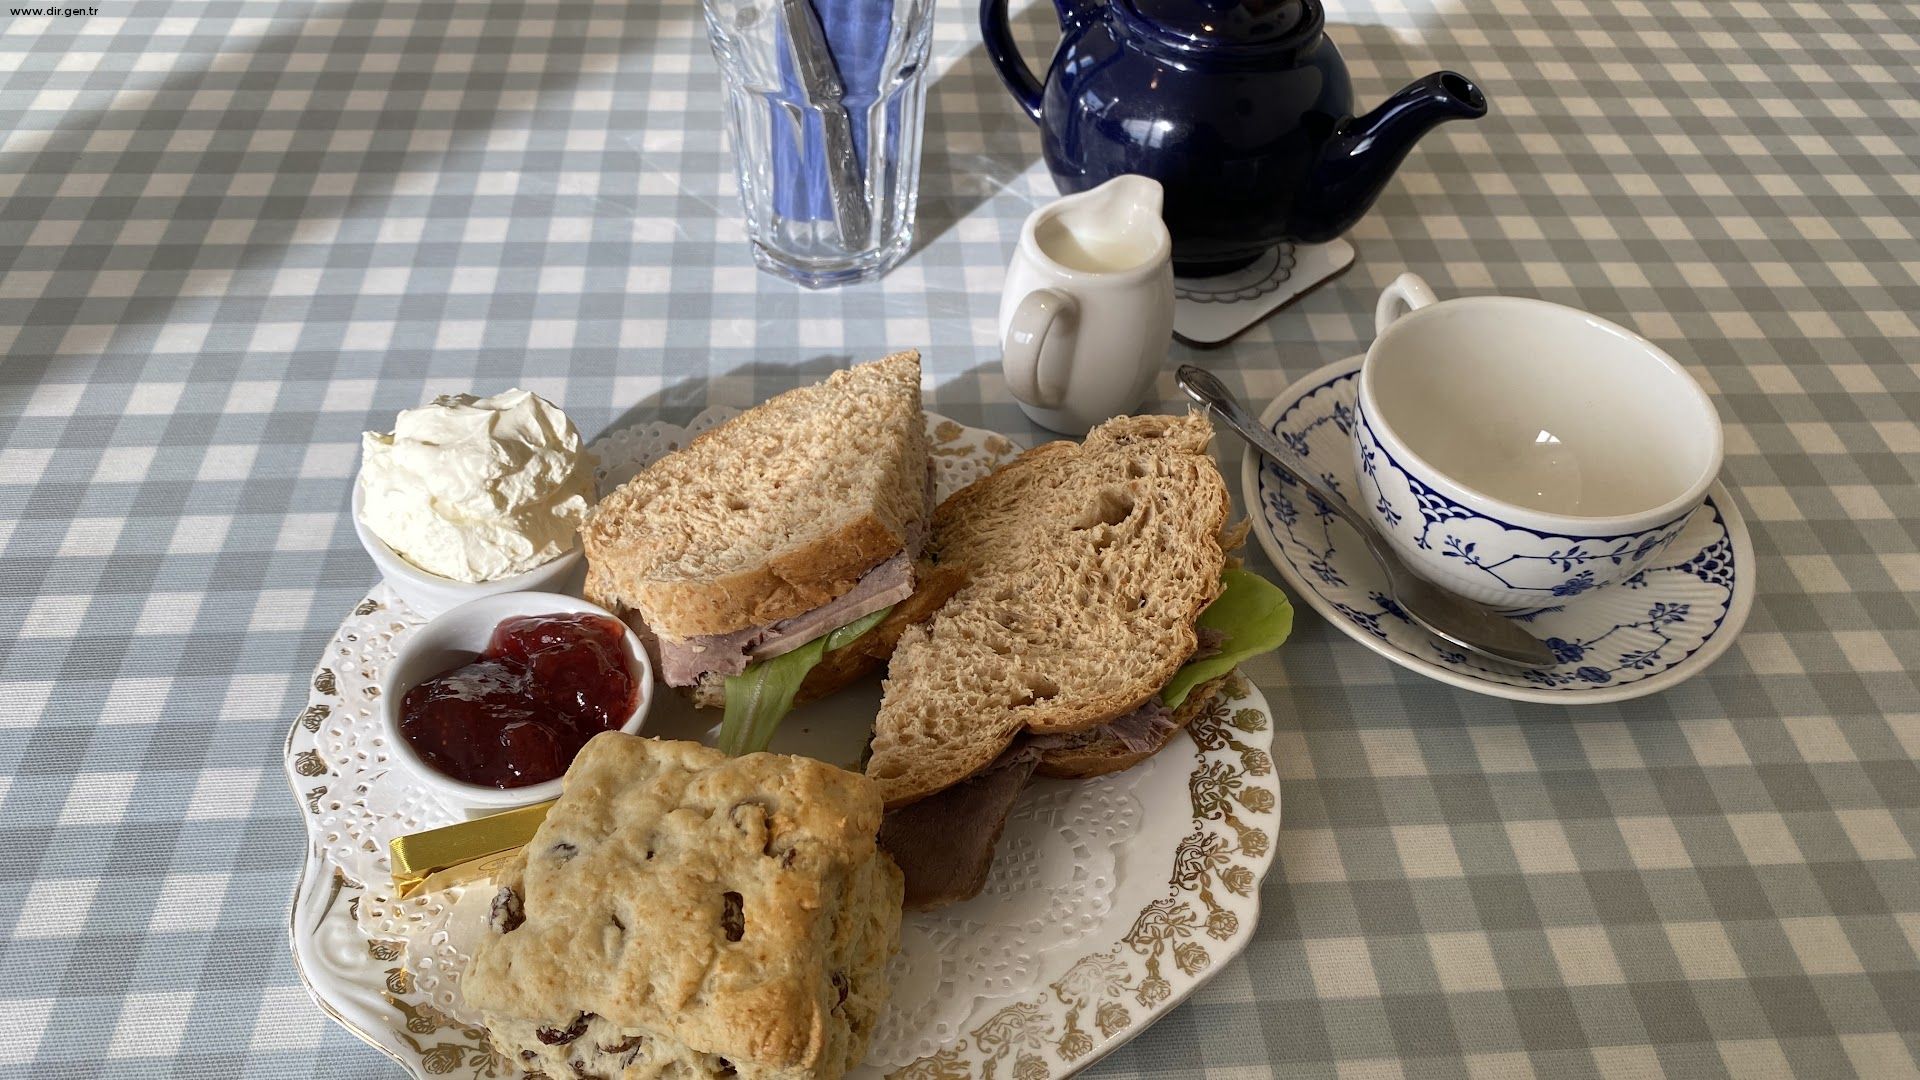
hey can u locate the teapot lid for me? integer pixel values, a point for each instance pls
(1204, 24)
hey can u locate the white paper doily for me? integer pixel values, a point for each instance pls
(1051, 885)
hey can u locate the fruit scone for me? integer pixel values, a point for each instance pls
(681, 913)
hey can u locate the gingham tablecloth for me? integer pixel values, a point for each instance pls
(236, 233)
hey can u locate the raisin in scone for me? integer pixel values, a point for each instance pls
(686, 914)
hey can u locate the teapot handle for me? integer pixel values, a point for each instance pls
(1410, 289)
(1005, 54)
(1040, 311)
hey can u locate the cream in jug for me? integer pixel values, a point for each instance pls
(1086, 316)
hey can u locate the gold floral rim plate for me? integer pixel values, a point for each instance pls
(1177, 941)
(1183, 904)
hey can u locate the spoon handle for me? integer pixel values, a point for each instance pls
(1204, 387)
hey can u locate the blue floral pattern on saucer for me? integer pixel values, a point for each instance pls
(1668, 620)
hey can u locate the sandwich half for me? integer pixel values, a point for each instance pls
(790, 531)
(1099, 616)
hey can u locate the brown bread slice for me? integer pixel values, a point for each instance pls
(771, 514)
(1096, 752)
(1087, 566)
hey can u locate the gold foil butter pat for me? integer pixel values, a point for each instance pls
(463, 852)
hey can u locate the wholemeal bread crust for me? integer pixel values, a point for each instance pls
(791, 583)
(631, 567)
(1108, 755)
(1052, 541)
(712, 907)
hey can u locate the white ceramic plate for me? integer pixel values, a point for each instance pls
(1169, 897)
(1640, 636)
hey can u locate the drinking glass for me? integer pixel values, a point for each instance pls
(825, 103)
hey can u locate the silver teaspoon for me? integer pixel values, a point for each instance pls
(1469, 625)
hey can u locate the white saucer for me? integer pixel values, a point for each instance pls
(1640, 636)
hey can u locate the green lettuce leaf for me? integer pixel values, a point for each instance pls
(853, 631)
(762, 696)
(1253, 614)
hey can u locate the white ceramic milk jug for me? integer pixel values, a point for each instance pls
(1087, 313)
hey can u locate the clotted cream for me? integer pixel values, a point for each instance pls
(477, 489)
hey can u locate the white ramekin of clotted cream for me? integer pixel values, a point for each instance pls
(474, 496)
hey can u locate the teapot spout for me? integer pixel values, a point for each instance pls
(1361, 157)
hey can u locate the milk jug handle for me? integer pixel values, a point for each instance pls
(1409, 289)
(1037, 318)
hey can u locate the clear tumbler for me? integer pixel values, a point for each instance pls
(825, 103)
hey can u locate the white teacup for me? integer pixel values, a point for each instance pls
(1086, 315)
(1522, 453)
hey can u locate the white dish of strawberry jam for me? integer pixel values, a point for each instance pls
(490, 701)
(521, 710)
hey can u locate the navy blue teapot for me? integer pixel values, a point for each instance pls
(1242, 109)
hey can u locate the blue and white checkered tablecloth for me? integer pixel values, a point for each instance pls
(236, 233)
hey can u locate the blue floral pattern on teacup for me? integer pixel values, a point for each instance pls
(1476, 555)
(1662, 612)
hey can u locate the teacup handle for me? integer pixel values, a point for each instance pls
(1409, 289)
(1039, 312)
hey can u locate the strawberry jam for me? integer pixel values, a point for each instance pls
(521, 710)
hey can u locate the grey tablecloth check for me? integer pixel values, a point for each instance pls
(235, 233)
